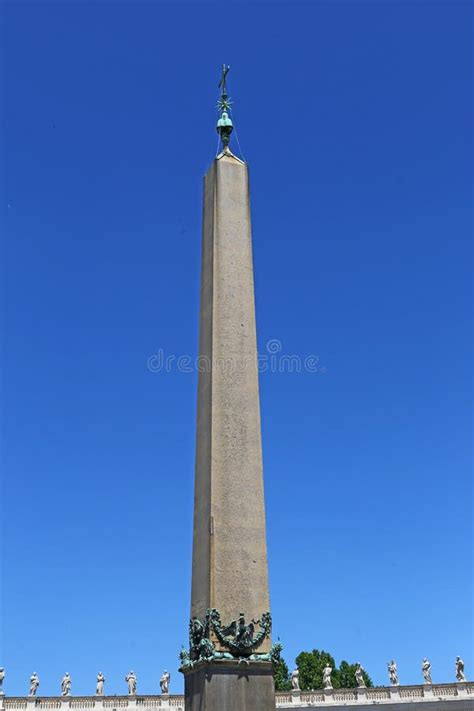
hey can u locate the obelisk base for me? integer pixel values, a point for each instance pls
(230, 686)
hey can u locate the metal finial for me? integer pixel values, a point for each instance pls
(225, 71)
(224, 124)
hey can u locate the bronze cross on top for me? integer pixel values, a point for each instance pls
(225, 71)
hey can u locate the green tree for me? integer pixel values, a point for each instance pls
(281, 674)
(311, 665)
(347, 678)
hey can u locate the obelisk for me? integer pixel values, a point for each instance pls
(228, 666)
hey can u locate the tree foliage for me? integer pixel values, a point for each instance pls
(311, 665)
(347, 677)
(281, 674)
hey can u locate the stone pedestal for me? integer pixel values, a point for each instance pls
(428, 690)
(461, 687)
(295, 696)
(230, 686)
(394, 693)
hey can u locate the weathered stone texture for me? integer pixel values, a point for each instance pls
(229, 554)
(230, 688)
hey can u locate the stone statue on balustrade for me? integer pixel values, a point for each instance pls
(392, 673)
(131, 680)
(426, 669)
(327, 671)
(460, 676)
(66, 685)
(165, 682)
(2, 677)
(295, 679)
(34, 683)
(359, 675)
(99, 689)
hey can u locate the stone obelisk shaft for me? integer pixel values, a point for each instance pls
(229, 553)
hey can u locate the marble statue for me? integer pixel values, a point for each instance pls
(460, 676)
(131, 680)
(327, 671)
(34, 683)
(2, 677)
(66, 684)
(99, 689)
(392, 672)
(165, 682)
(359, 675)
(295, 679)
(426, 669)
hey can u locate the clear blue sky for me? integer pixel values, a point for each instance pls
(356, 120)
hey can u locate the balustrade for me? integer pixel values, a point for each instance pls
(294, 699)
